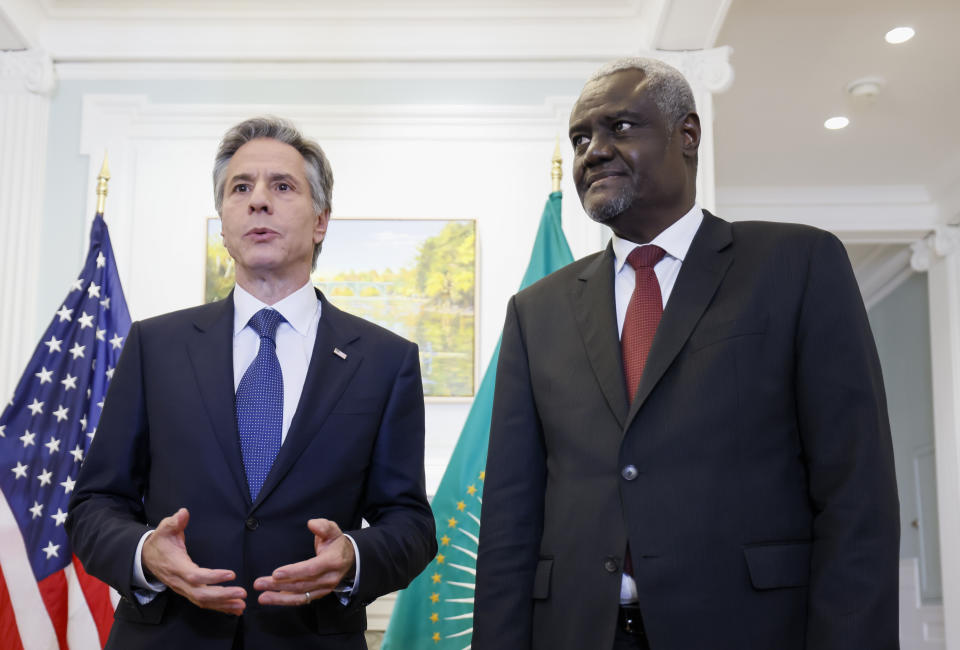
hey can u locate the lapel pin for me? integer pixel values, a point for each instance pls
(340, 353)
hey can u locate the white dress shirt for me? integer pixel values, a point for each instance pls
(295, 338)
(676, 241)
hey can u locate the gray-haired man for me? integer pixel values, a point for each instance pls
(243, 441)
(689, 447)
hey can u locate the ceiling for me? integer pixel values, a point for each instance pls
(792, 61)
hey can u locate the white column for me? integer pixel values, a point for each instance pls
(26, 81)
(709, 72)
(939, 255)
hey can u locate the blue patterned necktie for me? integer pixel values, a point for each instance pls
(260, 403)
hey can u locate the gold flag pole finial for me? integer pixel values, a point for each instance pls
(102, 180)
(556, 169)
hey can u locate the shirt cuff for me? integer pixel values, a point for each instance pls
(144, 590)
(344, 590)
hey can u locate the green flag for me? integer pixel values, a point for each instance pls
(436, 610)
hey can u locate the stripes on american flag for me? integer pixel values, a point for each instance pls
(47, 600)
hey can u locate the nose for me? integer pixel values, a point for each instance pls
(259, 200)
(599, 150)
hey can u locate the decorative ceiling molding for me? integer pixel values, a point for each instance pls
(366, 30)
(175, 70)
(708, 69)
(32, 68)
(884, 214)
(943, 241)
(691, 24)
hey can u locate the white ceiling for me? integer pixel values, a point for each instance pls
(793, 60)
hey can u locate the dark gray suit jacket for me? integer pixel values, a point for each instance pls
(168, 438)
(762, 512)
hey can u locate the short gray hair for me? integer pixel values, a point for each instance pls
(667, 86)
(317, 167)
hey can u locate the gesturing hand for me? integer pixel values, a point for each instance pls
(165, 555)
(299, 583)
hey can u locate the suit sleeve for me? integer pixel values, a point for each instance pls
(845, 433)
(401, 539)
(106, 518)
(513, 499)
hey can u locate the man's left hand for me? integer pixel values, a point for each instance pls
(300, 583)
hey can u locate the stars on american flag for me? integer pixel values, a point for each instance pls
(85, 320)
(50, 421)
(51, 550)
(77, 351)
(69, 382)
(59, 517)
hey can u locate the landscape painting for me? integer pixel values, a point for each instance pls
(416, 277)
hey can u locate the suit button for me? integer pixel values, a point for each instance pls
(629, 472)
(610, 564)
(253, 523)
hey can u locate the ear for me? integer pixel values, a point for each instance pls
(320, 226)
(689, 129)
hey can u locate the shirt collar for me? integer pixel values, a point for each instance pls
(675, 240)
(298, 309)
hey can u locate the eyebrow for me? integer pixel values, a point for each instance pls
(273, 178)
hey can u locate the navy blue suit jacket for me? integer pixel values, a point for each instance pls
(168, 439)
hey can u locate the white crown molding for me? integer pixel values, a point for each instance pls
(105, 116)
(356, 9)
(33, 69)
(707, 69)
(180, 70)
(857, 214)
(377, 37)
(943, 241)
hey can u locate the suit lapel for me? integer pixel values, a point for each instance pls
(703, 269)
(327, 377)
(211, 355)
(595, 310)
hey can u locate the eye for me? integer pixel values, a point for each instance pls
(579, 140)
(621, 125)
(241, 187)
(284, 187)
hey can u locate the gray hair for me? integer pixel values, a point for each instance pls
(316, 166)
(667, 86)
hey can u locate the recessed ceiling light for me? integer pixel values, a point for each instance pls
(899, 35)
(837, 122)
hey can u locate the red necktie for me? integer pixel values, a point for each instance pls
(643, 315)
(639, 326)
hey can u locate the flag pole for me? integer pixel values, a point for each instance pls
(102, 179)
(556, 167)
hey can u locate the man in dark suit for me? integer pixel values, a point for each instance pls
(250, 433)
(690, 447)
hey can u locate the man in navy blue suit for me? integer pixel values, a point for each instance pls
(242, 442)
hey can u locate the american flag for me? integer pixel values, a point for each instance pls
(47, 600)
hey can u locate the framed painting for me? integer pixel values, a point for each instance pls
(416, 277)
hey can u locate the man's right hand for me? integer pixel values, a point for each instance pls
(165, 556)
